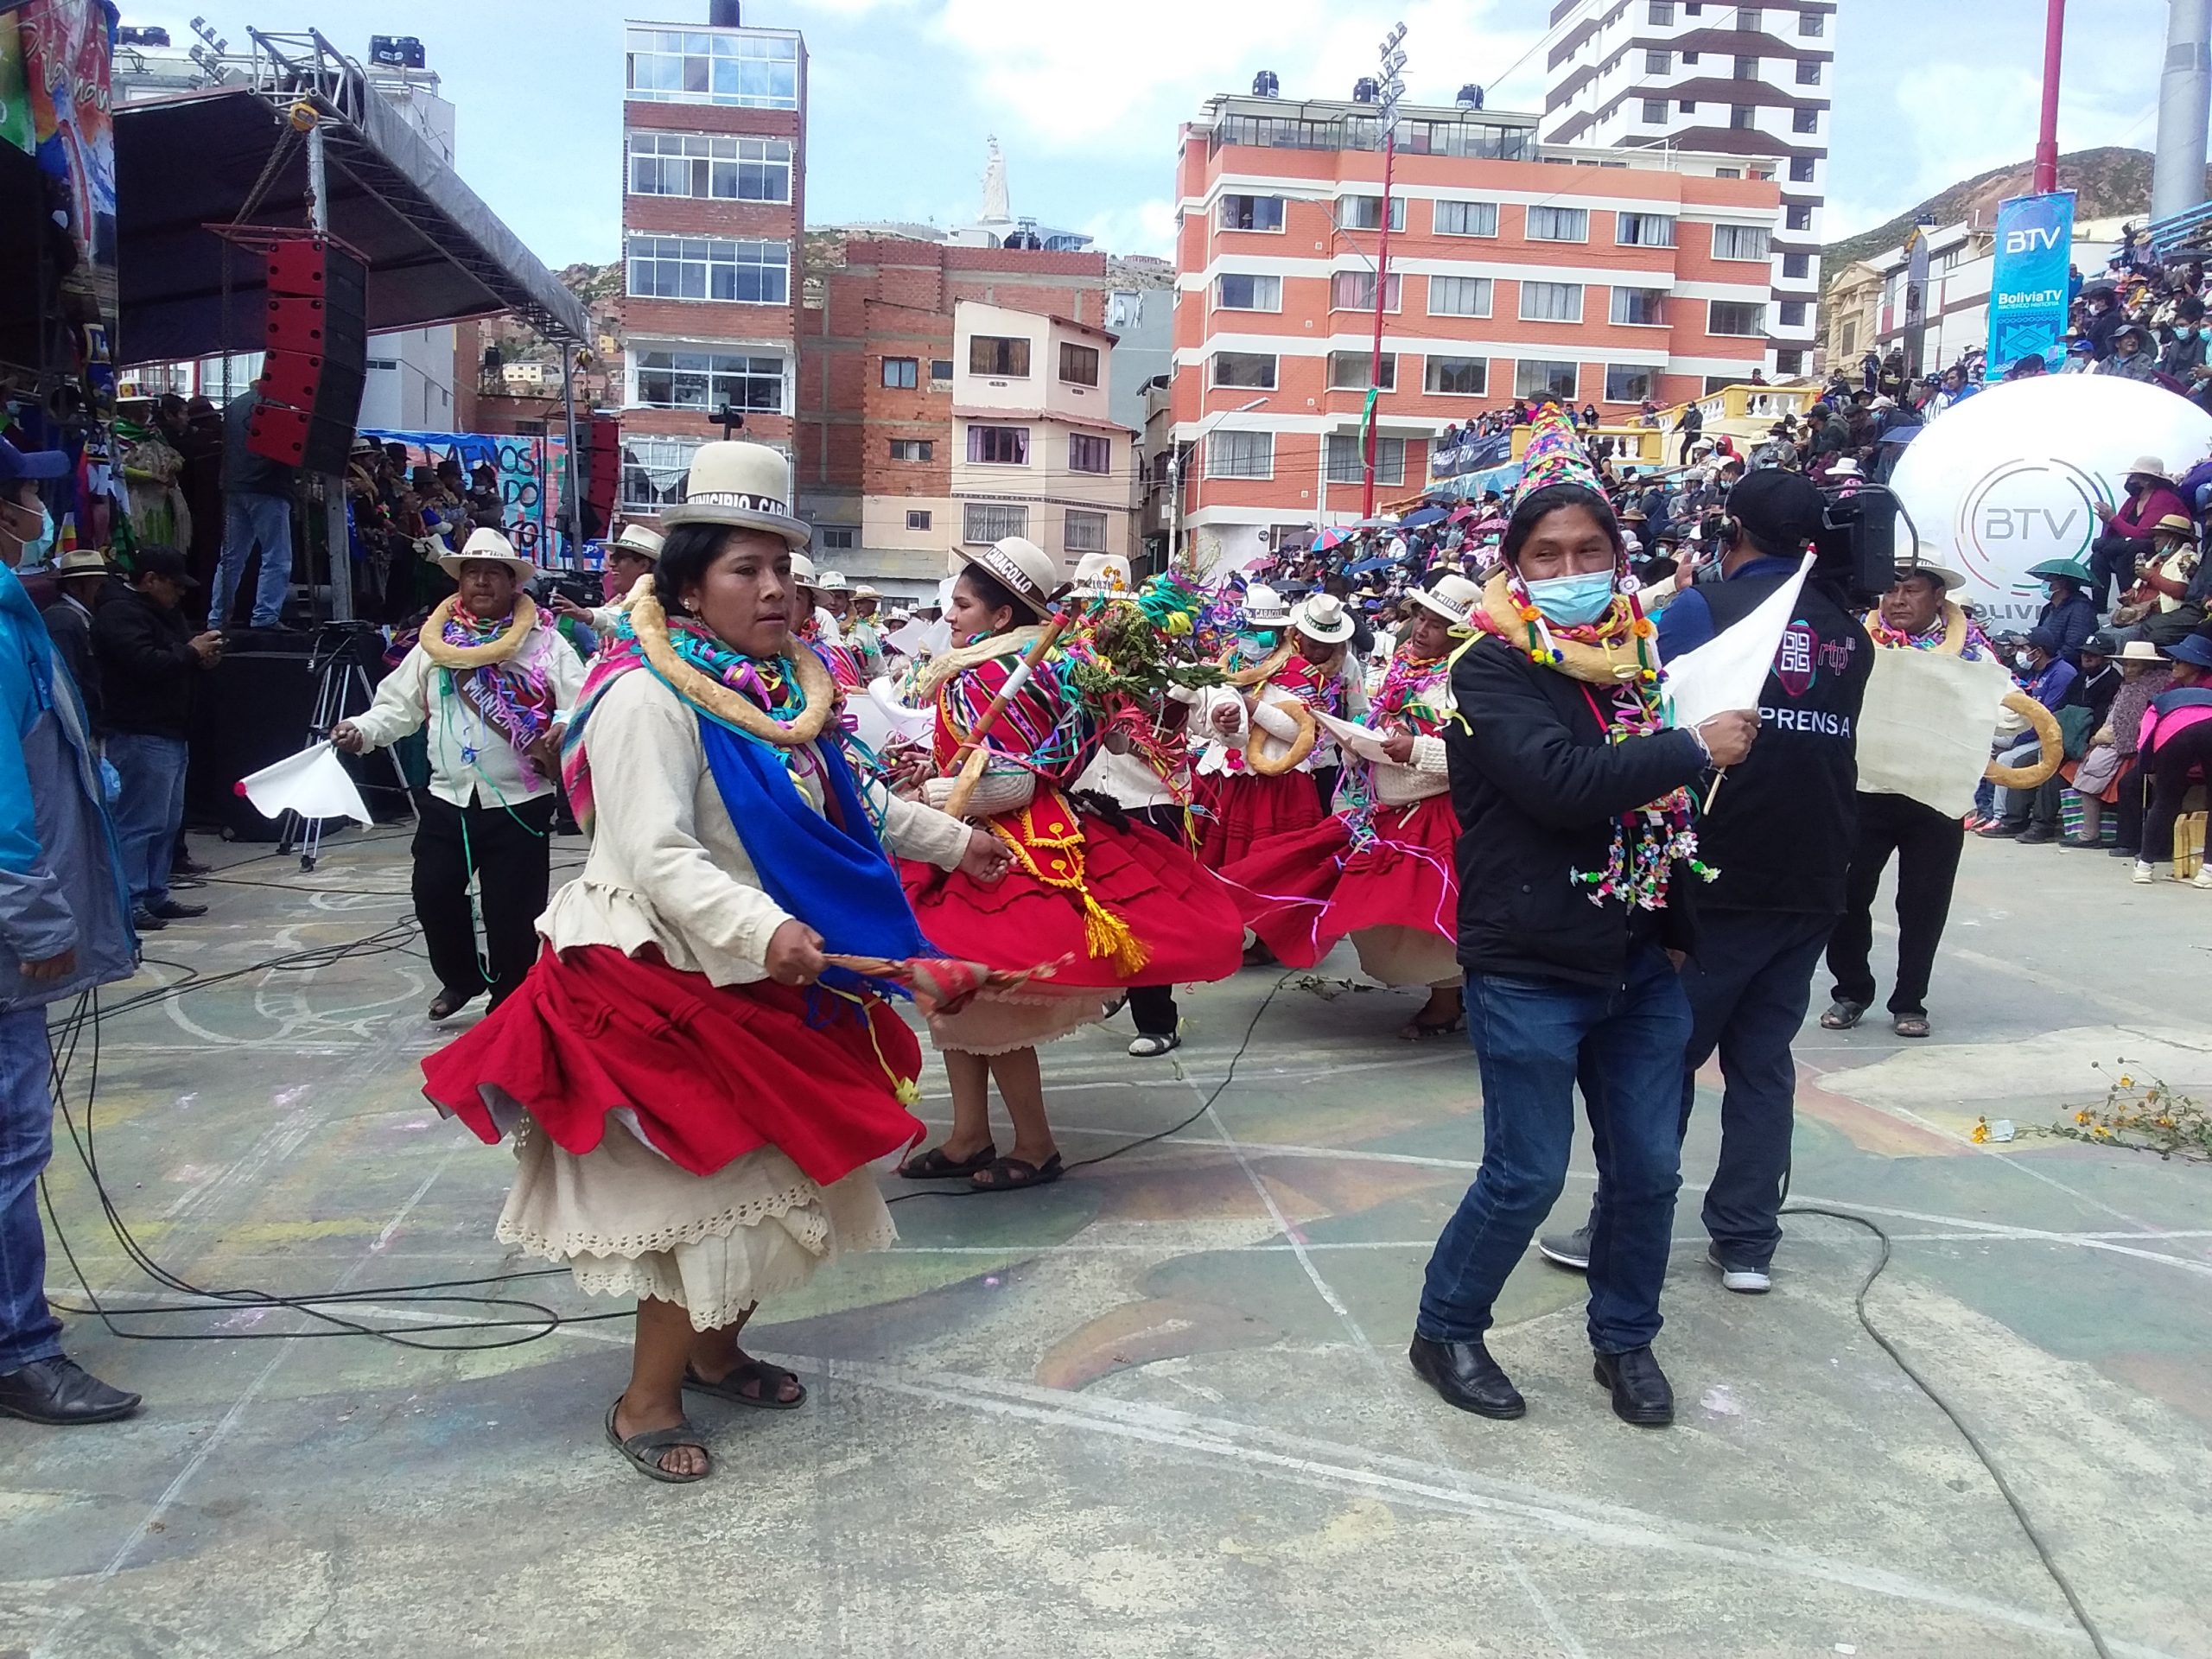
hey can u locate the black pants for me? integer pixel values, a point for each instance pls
(1153, 1006)
(1688, 439)
(2134, 782)
(1748, 986)
(510, 850)
(2170, 764)
(1926, 844)
(2112, 567)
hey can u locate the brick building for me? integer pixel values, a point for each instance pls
(884, 367)
(714, 212)
(1604, 275)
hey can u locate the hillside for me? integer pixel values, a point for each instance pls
(2106, 182)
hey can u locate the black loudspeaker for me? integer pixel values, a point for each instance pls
(316, 333)
(256, 706)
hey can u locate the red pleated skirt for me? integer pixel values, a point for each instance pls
(1302, 893)
(1240, 810)
(1181, 914)
(707, 1072)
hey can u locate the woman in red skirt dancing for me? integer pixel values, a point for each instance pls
(1256, 778)
(695, 1094)
(1115, 903)
(1381, 870)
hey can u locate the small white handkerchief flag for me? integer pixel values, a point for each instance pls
(1728, 671)
(313, 782)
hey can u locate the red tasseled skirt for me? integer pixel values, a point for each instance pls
(707, 1072)
(1303, 891)
(1181, 914)
(1240, 810)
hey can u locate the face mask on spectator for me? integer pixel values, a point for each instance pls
(2024, 663)
(1572, 600)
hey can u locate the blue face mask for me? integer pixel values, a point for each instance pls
(1572, 600)
(37, 547)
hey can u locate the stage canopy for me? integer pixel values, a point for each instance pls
(436, 253)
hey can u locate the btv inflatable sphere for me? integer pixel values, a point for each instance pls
(2006, 479)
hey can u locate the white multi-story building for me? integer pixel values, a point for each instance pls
(1748, 80)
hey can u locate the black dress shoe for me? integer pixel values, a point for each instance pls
(1465, 1375)
(171, 910)
(63, 1393)
(145, 921)
(1641, 1393)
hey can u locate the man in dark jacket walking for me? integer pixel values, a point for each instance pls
(1573, 909)
(1780, 834)
(148, 660)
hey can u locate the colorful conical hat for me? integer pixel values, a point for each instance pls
(1554, 454)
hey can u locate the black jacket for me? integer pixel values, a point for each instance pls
(1538, 791)
(146, 665)
(71, 629)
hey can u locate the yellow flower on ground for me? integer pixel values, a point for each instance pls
(2081, 1117)
(2127, 1081)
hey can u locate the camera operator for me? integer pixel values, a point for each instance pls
(630, 556)
(1779, 832)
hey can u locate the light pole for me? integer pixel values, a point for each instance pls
(1179, 545)
(1390, 86)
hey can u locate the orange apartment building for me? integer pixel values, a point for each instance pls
(1604, 276)
(714, 212)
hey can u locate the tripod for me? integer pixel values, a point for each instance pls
(337, 671)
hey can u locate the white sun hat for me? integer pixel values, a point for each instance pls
(802, 570)
(1452, 597)
(639, 539)
(487, 543)
(832, 582)
(1103, 576)
(1022, 567)
(1322, 617)
(744, 486)
(1264, 608)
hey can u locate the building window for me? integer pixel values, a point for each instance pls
(1641, 308)
(1466, 218)
(901, 372)
(748, 70)
(1658, 63)
(1748, 18)
(1809, 71)
(1747, 68)
(1743, 117)
(672, 378)
(1000, 446)
(1240, 454)
(1255, 370)
(1551, 302)
(1348, 370)
(1798, 216)
(1459, 296)
(1688, 107)
(1740, 241)
(654, 471)
(1791, 314)
(1643, 230)
(1533, 375)
(1789, 362)
(1002, 357)
(917, 518)
(1655, 111)
(1458, 377)
(698, 164)
(1365, 212)
(1088, 453)
(1689, 57)
(1663, 12)
(1354, 290)
(1627, 383)
(1251, 213)
(1232, 292)
(1078, 364)
(1795, 267)
(1801, 170)
(835, 538)
(940, 368)
(912, 448)
(700, 268)
(1810, 24)
(992, 521)
(1849, 342)
(1805, 121)
(1558, 225)
(1085, 532)
(1742, 318)
(1347, 459)
(1727, 172)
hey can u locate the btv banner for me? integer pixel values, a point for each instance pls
(2028, 288)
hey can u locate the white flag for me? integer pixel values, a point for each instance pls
(883, 719)
(313, 782)
(1364, 742)
(1728, 671)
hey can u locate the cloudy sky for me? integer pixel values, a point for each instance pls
(1085, 99)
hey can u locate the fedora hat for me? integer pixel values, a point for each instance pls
(1103, 576)
(1323, 617)
(2175, 523)
(1452, 597)
(1264, 608)
(832, 582)
(1020, 566)
(2150, 467)
(802, 570)
(744, 486)
(81, 562)
(2139, 651)
(1952, 580)
(487, 543)
(2192, 649)
(1845, 467)
(862, 594)
(639, 540)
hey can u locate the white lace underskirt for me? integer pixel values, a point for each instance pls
(629, 1223)
(1000, 1023)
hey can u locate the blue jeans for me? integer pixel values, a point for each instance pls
(28, 1330)
(249, 521)
(148, 812)
(1534, 1039)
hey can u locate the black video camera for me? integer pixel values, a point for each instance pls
(1856, 550)
(578, 587)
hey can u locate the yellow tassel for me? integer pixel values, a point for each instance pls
(909, 1092)
(1106, 935)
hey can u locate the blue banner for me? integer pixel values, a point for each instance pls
(2028, 290)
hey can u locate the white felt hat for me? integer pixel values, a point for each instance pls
(487, 543)
(1022, 567)
(744, 486)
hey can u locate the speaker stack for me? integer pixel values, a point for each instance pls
(316, 337)
(600, 468)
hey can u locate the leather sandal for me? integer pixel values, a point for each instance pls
(1910, 1025)
(934, 1165)
(643, 1450)
(448, 1003)
(769, 1379)
(1842, 1014)
(1007, 1173)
